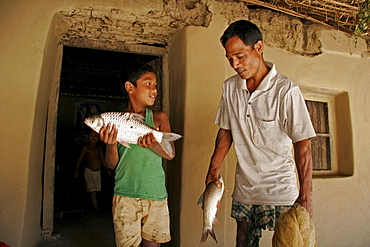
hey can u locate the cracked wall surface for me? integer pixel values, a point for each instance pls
(286, 32)
(156, 25)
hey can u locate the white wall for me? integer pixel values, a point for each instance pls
(340, 203)
(26, 67)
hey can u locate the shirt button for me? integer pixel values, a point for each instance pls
(248, 115)
(249, 103)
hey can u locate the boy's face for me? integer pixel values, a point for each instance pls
(145, 91)
(93, 137)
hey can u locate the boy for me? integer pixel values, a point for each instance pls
(94, 160)
(140, 211)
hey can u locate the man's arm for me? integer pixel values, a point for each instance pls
(303, 160)
(222, 146)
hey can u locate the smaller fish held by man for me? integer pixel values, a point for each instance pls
(130, 127)
(210, 202)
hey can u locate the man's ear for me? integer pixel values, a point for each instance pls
(259, 46)
(128, 86)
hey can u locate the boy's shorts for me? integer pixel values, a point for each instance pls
(136, 219)
(93, 180)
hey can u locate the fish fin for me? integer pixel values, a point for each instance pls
(137, 117)
(125, 144)
(205, 235)
(216, 222)
(201, 199)
(171, 136)
(166, 145)
(218, 204)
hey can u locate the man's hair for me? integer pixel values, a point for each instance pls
(248, 32)
(132, 72)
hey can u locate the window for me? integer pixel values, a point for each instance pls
(321, 144)
(332, 150)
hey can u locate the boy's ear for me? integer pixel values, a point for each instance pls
(128, 86)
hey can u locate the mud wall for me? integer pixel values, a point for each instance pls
(189, 30)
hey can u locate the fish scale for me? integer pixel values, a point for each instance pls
(135, 129)
(130, 127)
(210, 201)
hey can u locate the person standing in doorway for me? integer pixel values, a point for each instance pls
(93, 155)
(263, 113)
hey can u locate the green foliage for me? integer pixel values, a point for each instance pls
(363, 22)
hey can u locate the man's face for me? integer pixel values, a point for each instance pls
(242, 58)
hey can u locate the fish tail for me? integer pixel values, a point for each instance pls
(205, 235)
(165, 143)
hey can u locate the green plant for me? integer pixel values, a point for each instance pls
(363, 20)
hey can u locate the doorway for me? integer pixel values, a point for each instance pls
(88, 81)
(89, 85)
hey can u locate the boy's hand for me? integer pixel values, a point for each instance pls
(147, 141)
(108, 134)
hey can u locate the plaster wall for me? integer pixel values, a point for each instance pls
(198, 67)
(340, 203)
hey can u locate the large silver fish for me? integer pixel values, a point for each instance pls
(210, 201)
(130, 127)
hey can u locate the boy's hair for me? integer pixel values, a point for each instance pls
(132, 72)
(248, 32)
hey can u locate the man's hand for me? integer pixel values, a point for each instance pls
(213, 176)
(307, 205)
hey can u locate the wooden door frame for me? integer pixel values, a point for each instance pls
(50, 139)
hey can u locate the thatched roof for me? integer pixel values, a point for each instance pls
(351, 16)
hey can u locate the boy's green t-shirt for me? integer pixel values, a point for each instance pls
(139, 172)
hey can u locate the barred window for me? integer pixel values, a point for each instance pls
(332, 148)
(320, 145)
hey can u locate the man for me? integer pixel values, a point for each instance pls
(262, 112)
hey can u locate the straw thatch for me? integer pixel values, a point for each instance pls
(351, 16)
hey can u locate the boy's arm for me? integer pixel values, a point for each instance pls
(108, 134)
(103, 161)
(303, 160)
(162, 123)
(79, 160)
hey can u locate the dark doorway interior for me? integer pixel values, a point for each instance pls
(89, 84)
